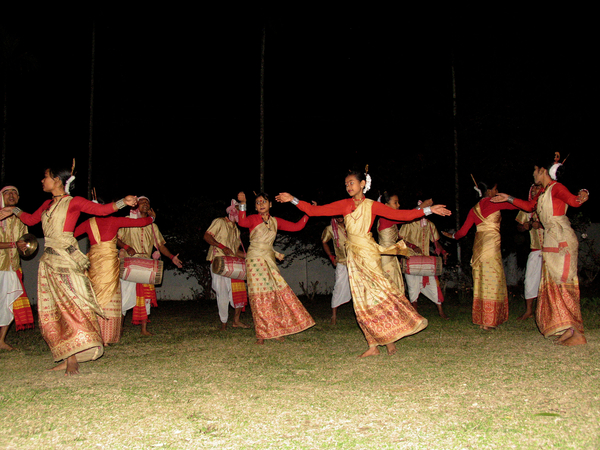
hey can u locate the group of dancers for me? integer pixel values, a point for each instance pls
(79, 297)
(80, 307)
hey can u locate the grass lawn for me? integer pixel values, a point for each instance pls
(190, 386)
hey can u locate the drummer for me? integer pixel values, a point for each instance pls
(139, 242)
(223, 236)
(104, 268)
(14, 303)
(420, 234)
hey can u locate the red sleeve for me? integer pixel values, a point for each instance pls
(285, 225)
(525, 205)
(402, 215)
(248, 221)
(471, 220)
(339, 208)
(36, 217)
(89, 207)
(560, 192)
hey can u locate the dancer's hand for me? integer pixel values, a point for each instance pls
(426, 203)
(499, 198)
(177, 261)
(448, 235)
(131, 200)
(284, 197)
(441, 210)
(241, 198)
(583, 196)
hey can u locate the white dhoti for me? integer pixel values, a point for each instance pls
(222, 287)
(341, 289)
(533, 274)
(10, 290)
(430, 290)
(129, 295)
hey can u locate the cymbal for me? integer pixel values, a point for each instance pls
(32, 244)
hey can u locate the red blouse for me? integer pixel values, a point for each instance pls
(347, 206)
(561, 197)
(487, 208)
(76, 207)
(109, 226)
(282, 225)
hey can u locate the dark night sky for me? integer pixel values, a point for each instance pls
(177, 103)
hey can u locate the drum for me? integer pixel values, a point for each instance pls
(230, 267)
(424, 266)
(141, 270)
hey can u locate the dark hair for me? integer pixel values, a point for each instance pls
(263, 195)
(360, 176)
(485, 186)
(63, 174)
(542, 161)
(387, 196)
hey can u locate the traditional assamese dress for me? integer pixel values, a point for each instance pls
(14, 303)
(140, 296)
(558, 307)
(383, 313)
(387, 230)
(67, 305)
(341, 289)
(490, 295)
(276, 311)
(421, 233)
(104, 268)
(229, 291)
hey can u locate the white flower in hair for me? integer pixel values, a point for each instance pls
(367, 183)
(553, 169)
(68, 184)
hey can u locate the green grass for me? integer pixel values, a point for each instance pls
(452, 386)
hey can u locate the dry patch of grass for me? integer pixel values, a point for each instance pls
(192, 386)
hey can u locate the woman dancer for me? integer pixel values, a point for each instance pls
(382, 311)
(67, 304)
(276, 310)
(490, 295)
(387, 232)
(104, 268)
(558, 311)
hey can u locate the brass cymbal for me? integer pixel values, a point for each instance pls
(32, 244)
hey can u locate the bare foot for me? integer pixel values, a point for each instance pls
(260, 342)
(223, 326)
(72, 366)
(333, 320)
(391, 349)
(371, 352)
(240, 325)
(5, 346)
(526, 316)
(568, 334)
(147, 333)
(280, 339)
(576, 339)
(61, 366)
(486, 328)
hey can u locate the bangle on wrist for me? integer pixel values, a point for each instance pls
(17, 211)
(510, 199)
(120, 204)
(13, 245)
(242, 207)
(295, 201)
(427, 211)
